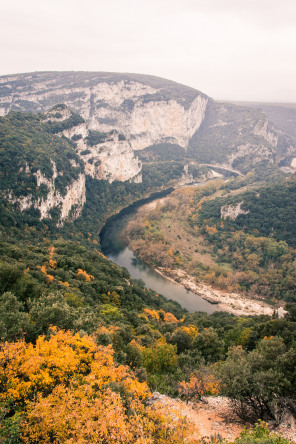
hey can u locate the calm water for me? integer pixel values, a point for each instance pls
(116, 249)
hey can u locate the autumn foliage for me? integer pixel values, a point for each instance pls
(198, 386)
(70, 390)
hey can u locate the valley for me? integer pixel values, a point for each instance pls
(161, 236)
(203, 308)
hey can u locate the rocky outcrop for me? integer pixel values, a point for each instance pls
(232, 211)
(240, 138)
(70, 203)
(156, 122)
(264, 129)
(146, 110)
(150, 111)
(112, 159)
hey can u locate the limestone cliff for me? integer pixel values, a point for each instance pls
(239, 138)
(70, 203)
(150, 112)
(111, 158)
(144, 109)
(41, 174)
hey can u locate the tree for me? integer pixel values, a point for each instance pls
(201, 383)
(14, 323)
(208, 343)
(69, 389)
(160, 358)
(258, 382)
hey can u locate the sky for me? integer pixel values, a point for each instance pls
(228, 49)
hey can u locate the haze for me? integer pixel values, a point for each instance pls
(229, 49)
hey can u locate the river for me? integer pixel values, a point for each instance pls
(116, 249)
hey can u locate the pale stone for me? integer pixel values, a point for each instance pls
(75, 197)
(264, 129)
(232, 211)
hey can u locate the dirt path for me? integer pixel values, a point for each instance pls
(211, 419)
(215, 417)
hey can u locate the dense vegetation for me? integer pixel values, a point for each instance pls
(270, 212)
(83, 344)
(26, 147)
(66, 285)
(254, 254)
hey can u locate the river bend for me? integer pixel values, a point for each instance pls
(116, 249)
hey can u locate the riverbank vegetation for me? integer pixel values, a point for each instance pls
(253, 253)
(101, 317)
(83, 345)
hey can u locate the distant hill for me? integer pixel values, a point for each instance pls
(156, 117)
(283, 115)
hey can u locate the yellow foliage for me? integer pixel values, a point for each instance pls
(69, 389)
(112, 298)
(26, 369)
(210, 230)
(66, 284)
(135, 344)
(84, 276)
(101, 254)
(152, 313)
(49, 277)
(53, 264)
(51, 251)
(170, 318)
(191, 330)
(199, 386)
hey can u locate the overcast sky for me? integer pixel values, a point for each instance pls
(229, 49)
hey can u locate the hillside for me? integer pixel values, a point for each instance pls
(83, 345)
(154, 114)
(236, 239)
(283, 115)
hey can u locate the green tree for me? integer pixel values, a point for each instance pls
(210, 346)
(14, 323)
(160, 358)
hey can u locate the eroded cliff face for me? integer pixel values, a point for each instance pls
(239, 138)
(132, 108)
(150, 111)
(266, 130)
(112, 159)
(70, 203)
(146, 110)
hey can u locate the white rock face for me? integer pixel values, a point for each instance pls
(143, 122)
(157, 122)
(258, 152)
(232, 211)
(135, 109)
(111, 160)
(266, 130)
(73, 199)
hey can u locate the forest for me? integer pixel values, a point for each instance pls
(253, 254)
(83, 345)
